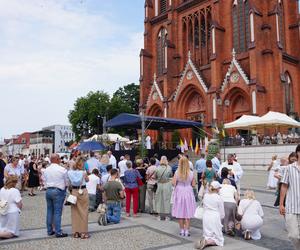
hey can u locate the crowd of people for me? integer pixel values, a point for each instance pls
(100, 182)
(261, 139)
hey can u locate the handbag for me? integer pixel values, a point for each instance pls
(102, 208)
(199, 212)
(3, 207)
(72, 199)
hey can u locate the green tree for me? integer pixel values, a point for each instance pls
(87, 112)
(129, 94)
(87, 115)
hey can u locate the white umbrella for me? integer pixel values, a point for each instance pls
(245, 121)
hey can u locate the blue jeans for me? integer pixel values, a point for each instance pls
(55, 200)
(113, 212)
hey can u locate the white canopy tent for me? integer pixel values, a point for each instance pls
(108, 137)
(276, 119)
(245, 121)
(270, 120)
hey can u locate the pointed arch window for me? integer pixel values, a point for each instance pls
(163, 6)
(196, 33)
(281, 25)
(240, 22)
(203, 31)
(161, 51)
(288, 94)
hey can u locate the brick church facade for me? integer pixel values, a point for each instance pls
(215, 60)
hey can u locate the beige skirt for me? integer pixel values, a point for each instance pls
(80, 212)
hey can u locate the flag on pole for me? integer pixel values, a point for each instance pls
(200, 145)
(191, 145)
(181, 146)
(206, 144)
(186, 148)
(197, 147)
(223, 133)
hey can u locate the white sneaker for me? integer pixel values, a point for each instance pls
(167, 218)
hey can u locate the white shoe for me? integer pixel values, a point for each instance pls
(167, 218)
(158, 218)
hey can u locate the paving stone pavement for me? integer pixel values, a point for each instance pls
(145, 232)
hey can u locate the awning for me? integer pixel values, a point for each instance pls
(125, 120)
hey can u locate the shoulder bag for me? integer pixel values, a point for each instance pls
(199, 212)
(238, 216)
(3, 206)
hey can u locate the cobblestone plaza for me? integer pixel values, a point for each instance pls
(145, 232)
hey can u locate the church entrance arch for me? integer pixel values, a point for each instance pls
(239, 104)
(155, 110)
(192, 106)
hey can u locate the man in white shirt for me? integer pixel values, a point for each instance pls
(235, 169)
(93, 163)
(56, 182)
(92, 186)
(216, 162)
(112, 159)
(123, 167)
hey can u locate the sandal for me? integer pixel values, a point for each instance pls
(84, 236)
(76, 235)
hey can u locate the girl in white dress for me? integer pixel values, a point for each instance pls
(252, 219)
(272, 181)
(212, 216)
(10, 219)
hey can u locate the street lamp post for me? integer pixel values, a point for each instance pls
(98, 124)
(222, 105)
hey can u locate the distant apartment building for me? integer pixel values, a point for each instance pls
(41, 142)
(63, 135)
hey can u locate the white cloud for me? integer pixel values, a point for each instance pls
(49, 47)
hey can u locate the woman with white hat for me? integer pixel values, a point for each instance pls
(212, 216)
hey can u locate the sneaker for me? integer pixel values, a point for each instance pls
(167, 218)
(158, 218)
(61, 235)
(51, 233)
(247, 235)
(187, 233)
(181, 232)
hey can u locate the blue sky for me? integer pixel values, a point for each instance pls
(53, 51)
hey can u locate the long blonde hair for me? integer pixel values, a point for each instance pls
(183, 168)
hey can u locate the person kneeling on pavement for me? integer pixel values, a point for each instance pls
(113, 194)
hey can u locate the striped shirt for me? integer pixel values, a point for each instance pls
(291, 177)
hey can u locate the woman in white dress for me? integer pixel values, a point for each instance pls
(272, 181)
(212, 216)
(10, 219)
(252, 216)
